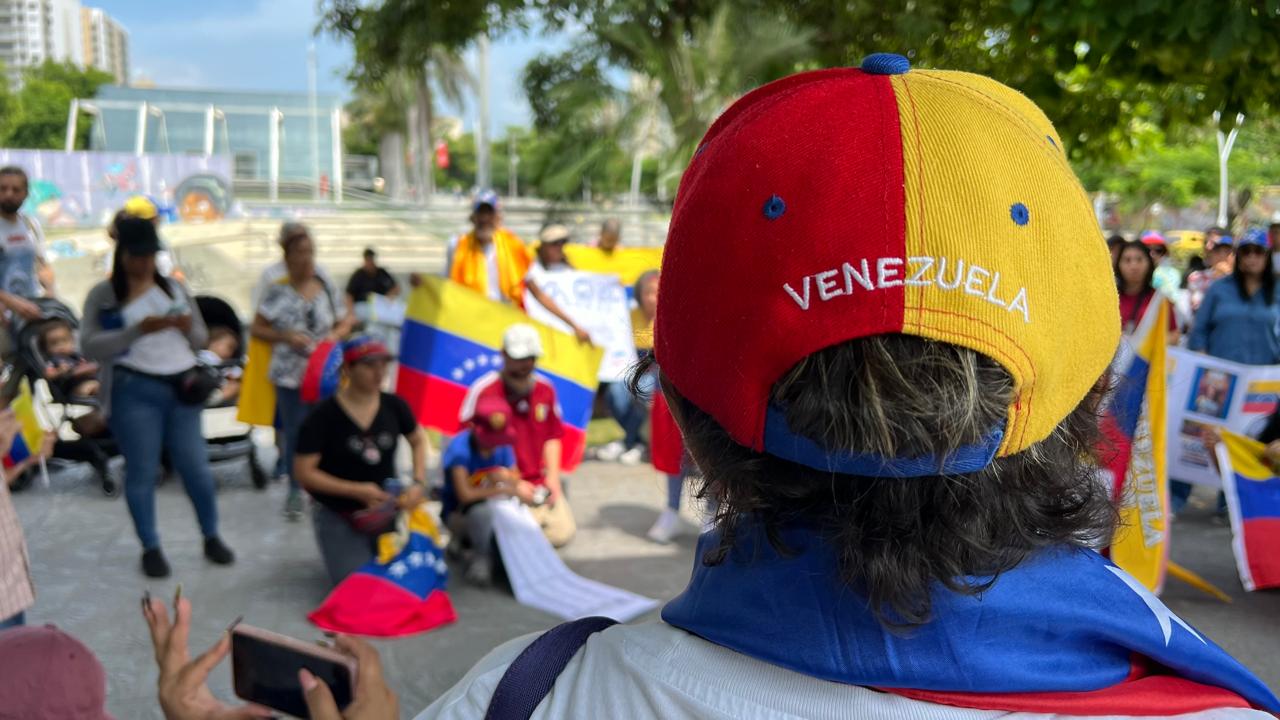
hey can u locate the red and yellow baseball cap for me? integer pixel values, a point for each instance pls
(846, 203)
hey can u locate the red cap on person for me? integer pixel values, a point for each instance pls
(364, 348)
(491, 422)
(1153, 238)
(46, 674)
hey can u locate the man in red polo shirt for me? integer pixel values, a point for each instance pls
(535, 417)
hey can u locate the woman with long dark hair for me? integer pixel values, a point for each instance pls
(1134, 270)
(144, 330)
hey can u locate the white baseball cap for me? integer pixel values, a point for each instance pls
(522, 341)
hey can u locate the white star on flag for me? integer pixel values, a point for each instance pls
(483, 360)
(496, 360)
(416, 559)
(469, 364)
(397, 569)
(458, 374)
(1164, 615)
(441, 567)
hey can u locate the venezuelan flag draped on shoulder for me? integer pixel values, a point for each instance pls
(1134, 425)
(1252, 488)
(453, 335)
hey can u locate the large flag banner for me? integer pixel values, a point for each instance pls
(257, 404)
(399, 592)
(540, 579)
(453, 335)
(31, 439)
(1134, 425)
(1252, 488)
(597, 303)
(626, 263)
(1207, 395)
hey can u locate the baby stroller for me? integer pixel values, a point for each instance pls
(218, 313)
(29, 362)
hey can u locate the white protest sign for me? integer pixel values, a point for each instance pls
(540, 579)
(597, 303)
(1206, 393)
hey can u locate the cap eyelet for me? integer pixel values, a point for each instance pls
(1020, 214)
(774, 207)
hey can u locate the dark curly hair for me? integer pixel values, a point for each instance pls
(904, 396)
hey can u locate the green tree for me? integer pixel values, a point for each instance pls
(37, 118)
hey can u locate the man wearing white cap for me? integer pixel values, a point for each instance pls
(535, 417)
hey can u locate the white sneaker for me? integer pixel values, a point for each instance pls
(610, 452)
(665, 528)
(634, 456)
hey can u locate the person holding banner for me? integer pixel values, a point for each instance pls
(490, 259)
(295, 314)
(1239, 320)
(1134, 270)
(550, 259)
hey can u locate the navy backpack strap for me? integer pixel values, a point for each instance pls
(534, 671)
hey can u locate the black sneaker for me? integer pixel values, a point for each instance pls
(153, 563)
(217, 552)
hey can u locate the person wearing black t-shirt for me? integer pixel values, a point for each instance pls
(346, 460)
(369, 279)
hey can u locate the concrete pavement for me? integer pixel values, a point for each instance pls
(85, 557)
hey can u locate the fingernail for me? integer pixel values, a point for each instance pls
(233, 624)
(307, 679)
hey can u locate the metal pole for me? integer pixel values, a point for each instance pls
(335, 132)
(482, 128)
(315, 125)
(140, 140)
(1225, 143)
(513, 165)
(273, 156)
(73, 115)
(208, 131)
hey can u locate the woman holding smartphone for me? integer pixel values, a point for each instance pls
(144, 331)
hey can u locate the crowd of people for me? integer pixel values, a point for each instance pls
(897, 475)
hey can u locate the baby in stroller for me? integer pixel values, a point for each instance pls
(65, 368)
(222, 354)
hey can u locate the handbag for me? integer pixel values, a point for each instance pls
(194, 386)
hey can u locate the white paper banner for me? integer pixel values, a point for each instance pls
(598, 303)
(1206, 393)
(541, 580)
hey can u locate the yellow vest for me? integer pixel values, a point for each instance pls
(513, 259)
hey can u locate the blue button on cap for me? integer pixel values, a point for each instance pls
(885, 64)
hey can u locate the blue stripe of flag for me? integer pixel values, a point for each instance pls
(1258, 499)
(18, 451)
(1126, 402)
(433, 351)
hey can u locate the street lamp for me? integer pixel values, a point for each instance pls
(1225, 142)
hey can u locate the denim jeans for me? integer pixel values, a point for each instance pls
(14, 621)
(292, 412)
(146, 420)
(629, 411)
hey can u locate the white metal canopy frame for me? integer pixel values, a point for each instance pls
(212, 114)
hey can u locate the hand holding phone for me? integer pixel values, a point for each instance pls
(266, 669)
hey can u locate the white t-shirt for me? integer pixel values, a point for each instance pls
(21, 244)
(538, 274)
(167, 352)
(493, 287)
(654, 670)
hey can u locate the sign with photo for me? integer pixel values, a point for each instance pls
(1206, 394)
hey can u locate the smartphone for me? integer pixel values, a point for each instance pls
(265, 665)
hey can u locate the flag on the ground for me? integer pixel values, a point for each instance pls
(1134, 423)
(30, 440)
(257, 404)
(453, 335)
(1252, 488)
(400, 592)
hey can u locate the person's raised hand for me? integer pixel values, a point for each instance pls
(373, 699)
(184, 690)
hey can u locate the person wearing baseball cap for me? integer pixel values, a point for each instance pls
(898, 422)
(1219, 253)
(489, 259)
(479, 464)
(534, 413)
(1166, 278)
(46, 674)
(346, 459)
(549, 259)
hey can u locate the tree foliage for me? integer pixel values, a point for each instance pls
(35, 115)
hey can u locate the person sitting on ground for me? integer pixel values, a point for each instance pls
(480, 464)
(223, 349)
(346, 460)
(46, 674)
(65, 367)
(535, 417)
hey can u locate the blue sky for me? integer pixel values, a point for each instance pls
(262, 45)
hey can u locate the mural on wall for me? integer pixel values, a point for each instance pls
(74, 189)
